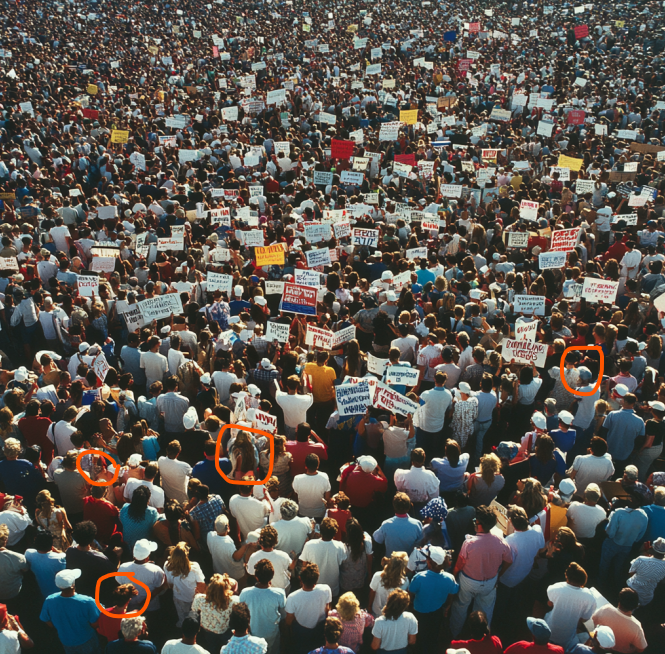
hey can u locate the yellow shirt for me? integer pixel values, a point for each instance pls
(515, 182)
(322, 379)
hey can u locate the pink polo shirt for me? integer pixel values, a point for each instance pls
(482, 555)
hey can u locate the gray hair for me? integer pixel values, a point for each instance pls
(659, 496)
(221, 525)
(131, 627)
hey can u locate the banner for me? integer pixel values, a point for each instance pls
(218, 282)
(565, 240)
(271, 255)
(160, 306)
(276, 331)
(552, 260)
(317, 337)
(353, 399)
(599, 290)
(525, 352)
(299, 299)
(343, 336)
(387, 398)
(340, 149)
(526, 331)
(401, 375)
(319, 257)
(529, 304)
(369, 237)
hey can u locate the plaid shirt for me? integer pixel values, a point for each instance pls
(264, 379)
(245, 645)
(206, 513)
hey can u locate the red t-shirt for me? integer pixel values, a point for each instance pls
(299, 451)
(532, 648)
(108, 626)
(103, 514)
(488, 645)
(34, 430)
(341, 516)
(360, 486)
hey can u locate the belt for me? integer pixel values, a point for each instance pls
(482, 422)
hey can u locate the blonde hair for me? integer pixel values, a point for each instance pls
(12, 447)
(601, 407)
(46, 503)
(219, 591)
(395, 570)
(348, 607)
(490, 464)
(178, 564)
(4, 535)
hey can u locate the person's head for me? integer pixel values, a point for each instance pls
(312, 463)
(173, 449)
(598, 446)
(394, 571)
(123, 593)
(219, 591)
(628, 600)
(132, 628)
(139, 503)
(178, 563)
(401, 503)
(239, 621)
(477, 624)
(485, 519)
(12, 449)
(418, 457)
(303, 432)
(190, 627)
(398, 602)
(453, 452)
(329, 528)
(592, 494)
(268, 537)
(541, 631)
(264, 571)
(332, 631)
(348, 606)
(576, 575)
(518, 517)
(490, 464)
(43, 541)
(84, 533)
(222, 525)
(309, 575)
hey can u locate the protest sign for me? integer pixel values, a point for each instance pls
(389, 399)
(341, 149)
(320, 257)
(599, 290)
(133, 317)
(316, 232)
(529, 304)
(8, 263)
(316, 337)
(349, 177)
(103, 264)
(107, 213)
(552, 260)
(517, 239)
(276, 331)
(160, 306)
(88, 286)
(299, 299)
(307, 277)
(584, 186)
(525, 352)
(265, 421)
(342, 230)
(375, 365)
(219, 255)
(565, 240)
(100, 366)
(369, 237)
(322, 178)
(570, 162)
(416, 253)
(343, 336)
(353, 399)
(274, 288)
(526, 331)
(221, 216)
(271, 255)
(119, 136)
(401, 375)
(170, 243)
(410, 116)
(529, 210)
(218, 282)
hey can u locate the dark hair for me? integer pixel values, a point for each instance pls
(138, 504)
(629, 600)
(43, 541)
(240, 618)
(264, 571)
(354, 536)
(452, 452)
(485, 517)
(84, 532)
(478, 627)
(191, 625)
(598, 446)
(309, 575)
(332, 630)
(329, 528)
(311, 462)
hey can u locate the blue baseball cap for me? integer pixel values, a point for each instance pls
(539, 628)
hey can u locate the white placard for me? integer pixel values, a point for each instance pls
(530, 304)
(526, 331)
(218, 282)
(369, 237)
(599, 290)
(276, 331)
(160, 306)
(353, 399)
(375, 365)
(525, 352)
(319, 257)
(88, 286)
(401, 375)
(552, 260)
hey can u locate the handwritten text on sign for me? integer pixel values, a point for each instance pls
(530, 304)
(526, 331)
(276, 331)
(299, 299)
(565, 240)
(369, 237)
(387, 398)
(88, 286)
(402, 375)
(160, 306)
(599, 290)
(353, 399)
(525, 352)
(317, 337)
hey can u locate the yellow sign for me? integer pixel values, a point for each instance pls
(619, 23)
(306, 27)
(409, 117)
(7, 196)
(272, 255)
(92, 89)
(570, 162)
(119, 136)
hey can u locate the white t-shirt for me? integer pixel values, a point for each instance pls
(155, 365)
(294, 407)
(394, 634)
(174, 477)
(419, 484)
(176, 358)
(381, 596)
(592, 469)
(429, 357)
(184, 588)
(280, 562)
(309, 606)
(328, 555)
(293, 534)
(222, 549)
(249, 512)
(570, 604)
(156, 493)
(60, 435)
(583, 519)
(148, 573)
(524, 546)
(9, 643)
(176, 646)
(311, 490)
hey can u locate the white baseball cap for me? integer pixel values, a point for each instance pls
(67, 578)
(238, 290)
(437, 554)
(190, 418)
(367, 463)
(390, 296)
(143, 548)
(260, 300)
(621, 389)
(605, 637)
(566, 417)
(539, 420)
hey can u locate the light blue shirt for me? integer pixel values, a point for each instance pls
(623, 428)
(266, 608)
(400, 534)
(131, 362)
(627, 526)
(486, 404)
(45, 566)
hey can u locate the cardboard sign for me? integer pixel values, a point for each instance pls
(272, 255)
(343, 336)
(119, 136)
(276, 331)
(218, 282)
(103, 264)
(171, 243)
(342, 230)
(274, 288)
(552, 260)
(353, 399)
(529, 210)
(316, 337)
(160, 306)
(265, 421)
(315, 232)
(526, 331)
(8, 263)
(340, 149)
(375, 365)
(88, 286)
(322, 178)
(416, 253)
(401, 375)
(525, 352)
(307, 277)
(389, 399)
(369, 237)
(599, 290)
(299, 299)
(100, 366)
(133, 317)
(107, 213)
(530, 304)
(319, 257)
(518, 239)
(565, 240)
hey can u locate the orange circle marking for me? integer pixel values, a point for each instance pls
(600, 372)
(85, 474)
(271, 463)
(132, 580)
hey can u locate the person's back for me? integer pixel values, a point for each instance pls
(327, 553)
(628, 632)
(71, 485)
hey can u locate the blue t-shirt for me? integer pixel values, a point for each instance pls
(72, 617)
(431, 590)
(399, 534)
(656, 528)
(134, 647)
(45, 566)
(20, 477)
(564, 440)
(206, 472)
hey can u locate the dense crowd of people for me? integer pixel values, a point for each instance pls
(332, 328)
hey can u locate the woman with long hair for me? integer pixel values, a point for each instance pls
(281, 464)
(110, 627)
(480, 638)
(653, 352)
(357, 567)
(484, 487)
(214, 607)
(355, 364)
(530, 496)
(53, 518)
(354, 620)
(451, 470)
(392, 577)
(243, 456)
(545, 463)
(137, 518)
(185, 577)
(397, 623)
(175, 528)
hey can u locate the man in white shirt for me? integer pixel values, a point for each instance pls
(226, 559)
(150, 574)
(61, 236)
(630, 264)
(312, 489)
(173, 406)
(248, 511)
(154, 363)
(222, 380)
(327, 553)
(174, 474)
(80, 357)
(428, 358)
(584, 518)
(60, 433)
(593, 468)
(293, 531)
(419, 484)
(281, 561)
(293, 405)
(175, 357)
(432, 414)
(156, 493)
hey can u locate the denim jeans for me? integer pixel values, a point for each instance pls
(479, 431)
(612, 559)
(481, 593)
(89, 647)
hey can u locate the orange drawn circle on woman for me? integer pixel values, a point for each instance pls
(132, 580)
(84, 474)
(574, 348)
(271, 463)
